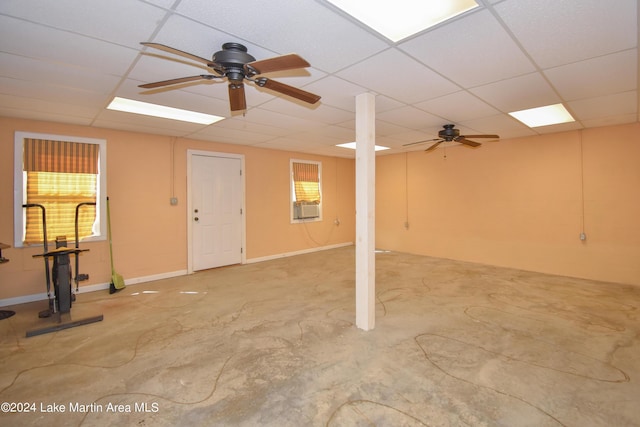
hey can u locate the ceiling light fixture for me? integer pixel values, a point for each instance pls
(543, 116)
(154, 110)
(352, 146)
(399, 19)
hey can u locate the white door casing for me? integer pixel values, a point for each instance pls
(216, 207)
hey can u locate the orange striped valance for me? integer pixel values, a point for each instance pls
(306, 182)
(307, 172)
(41, 155)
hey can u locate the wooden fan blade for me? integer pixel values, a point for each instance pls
(433, 147)
(237, 98)
(421, 142)
(176, 81)
(289, 90)
(278, 63)
(465, 141)
(480, 136)
(191, 56)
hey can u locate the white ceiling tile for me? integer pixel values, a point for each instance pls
(561, 127)
(178, 98)
(337, 132)
(95, 18)
(318, 138)
(46, 116)
(63, 76)
(386, 128)
(327, 40)
(336, 92)
(244, 123)
(334, 152)
(613, 73)
(503, 125)
(202, 40)
(131, 120)
(289, 144)
(390, 142)
(409, 117)
(300, 77)
(394, 74)
(610, 120)
(63, 60)
(384, 103)
(153, 67)
(399, 139)
(33, 109)
(560, 32)
(349, 124)
(162, 3)
(229, 136)
(457, 107)
(319, 112)
(65, 112)
(47, 44)
(518, 93)
(271, 118)
(45, 91)
(461, 51)
(604, 106)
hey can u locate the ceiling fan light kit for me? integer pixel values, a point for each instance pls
(236, 65)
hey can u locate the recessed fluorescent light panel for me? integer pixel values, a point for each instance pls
(352, 146)
(399, 19)
(154, 110)
(543, 116)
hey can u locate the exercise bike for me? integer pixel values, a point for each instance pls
(60, 276)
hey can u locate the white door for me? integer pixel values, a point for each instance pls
(216, 211)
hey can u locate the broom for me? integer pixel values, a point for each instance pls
(117, 282)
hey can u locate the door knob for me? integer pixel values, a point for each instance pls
(196, 219)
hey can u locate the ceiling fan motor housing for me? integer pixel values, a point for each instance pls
(449, 133)
(233, 58)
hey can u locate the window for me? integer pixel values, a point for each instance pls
(65, 175)
(306, 191)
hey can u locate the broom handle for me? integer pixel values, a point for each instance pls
(109, 233)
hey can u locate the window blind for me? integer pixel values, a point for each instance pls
(306, 182)
(60, 175)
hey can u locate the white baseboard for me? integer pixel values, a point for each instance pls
(301, 252)
(92, 288)
(136, 280)
(153, 277)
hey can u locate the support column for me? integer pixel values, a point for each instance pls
(365, 211)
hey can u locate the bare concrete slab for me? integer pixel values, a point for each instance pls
(275, 343)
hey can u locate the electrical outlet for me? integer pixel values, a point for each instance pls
(173, 201)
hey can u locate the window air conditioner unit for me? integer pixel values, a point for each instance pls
(308, 211)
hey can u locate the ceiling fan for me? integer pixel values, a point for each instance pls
(236, 65)
(449, 133)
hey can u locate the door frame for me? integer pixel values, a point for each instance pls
(243, 222)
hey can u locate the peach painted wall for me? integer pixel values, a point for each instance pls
(150, 235)
(519, 203)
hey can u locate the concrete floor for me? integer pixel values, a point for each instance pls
(274, 343)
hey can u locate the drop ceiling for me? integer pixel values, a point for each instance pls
(64, 61)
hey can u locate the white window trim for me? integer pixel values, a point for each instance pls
(292, 191)
(19, 195)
